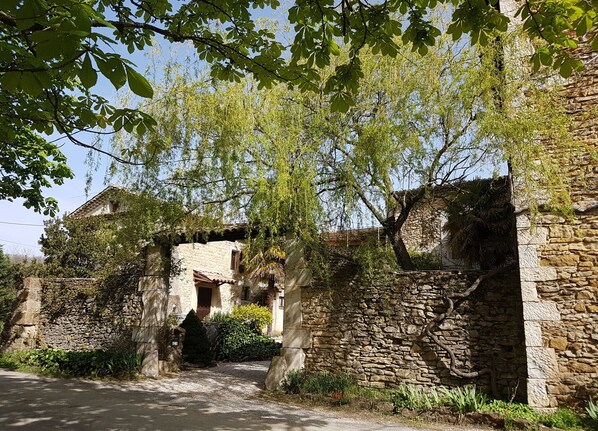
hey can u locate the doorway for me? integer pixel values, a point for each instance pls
(204, 301)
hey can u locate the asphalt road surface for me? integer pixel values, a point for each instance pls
(208, 399)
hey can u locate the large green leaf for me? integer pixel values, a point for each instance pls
(87, 73)
(138, 84)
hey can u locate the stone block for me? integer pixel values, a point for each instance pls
(558, 343)
(295, 251)
(544, 273)
(298, 338)
(150, 364)
(528, 256)
(537, 395)
(152, 282)
(522, 221)
(529, 291)
(532, 236)
(154, 261)
(276, 373)
(541, 363)
(297, 277)
(154, 307)
(533, 334)
(292, 310)
(294, 358)
(146, 334)
(540, 311)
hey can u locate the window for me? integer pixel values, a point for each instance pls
(235, 260)
(114, 206)
(245, 294)
(281, 302)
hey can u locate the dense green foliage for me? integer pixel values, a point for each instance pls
(330, 385)
(7, 288)
(253, 315)
(414, 397)
(77, 247)
(196, 346)
(237, 341)
(481, 223)
(89, 363)
(54, 52)
(288, 161)
(102, 246)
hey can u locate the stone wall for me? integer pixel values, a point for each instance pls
(371, 329)
(76, 313)
(559, 265)
(84, 314)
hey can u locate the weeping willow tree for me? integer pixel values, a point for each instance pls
(288, 161)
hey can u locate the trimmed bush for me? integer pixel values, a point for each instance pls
(196, 346)
(253, 315)
(236, 341)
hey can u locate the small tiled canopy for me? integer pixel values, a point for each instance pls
(211, 277)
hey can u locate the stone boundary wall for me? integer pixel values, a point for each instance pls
(85, 314)
(76, 314)
(370, 329)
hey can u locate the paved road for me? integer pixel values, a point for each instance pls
(207, 400)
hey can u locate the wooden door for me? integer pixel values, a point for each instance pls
(204, 301)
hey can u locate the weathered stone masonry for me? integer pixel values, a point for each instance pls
(371, 329)
(76, 314)
(558, 258)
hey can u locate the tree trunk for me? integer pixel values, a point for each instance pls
(401, 253)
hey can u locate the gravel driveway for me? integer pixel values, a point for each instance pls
(203, 399)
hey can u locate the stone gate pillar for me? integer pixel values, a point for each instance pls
(153, 286)
(295, 337)
(24, 325)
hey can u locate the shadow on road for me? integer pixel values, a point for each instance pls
(36, 403)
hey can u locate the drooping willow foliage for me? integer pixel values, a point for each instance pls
(286, 161)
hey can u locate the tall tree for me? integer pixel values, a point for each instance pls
(291, 162)
(52, 53)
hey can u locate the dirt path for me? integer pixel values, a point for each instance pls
(205, 399)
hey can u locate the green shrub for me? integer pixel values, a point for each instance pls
(196, 346)
(236, 341)
(336, 386)
(216, 317)
(592, 410)
(253, 315)
(86, 363)
(293, 381)
(562, 418)
(465, 399)
(414, 397)
(425, 261)
(327, 384)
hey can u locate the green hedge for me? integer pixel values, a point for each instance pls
(87, 363)
(237, 341)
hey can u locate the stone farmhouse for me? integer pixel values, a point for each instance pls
(209, 276)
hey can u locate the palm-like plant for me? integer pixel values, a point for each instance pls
(481, 223)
